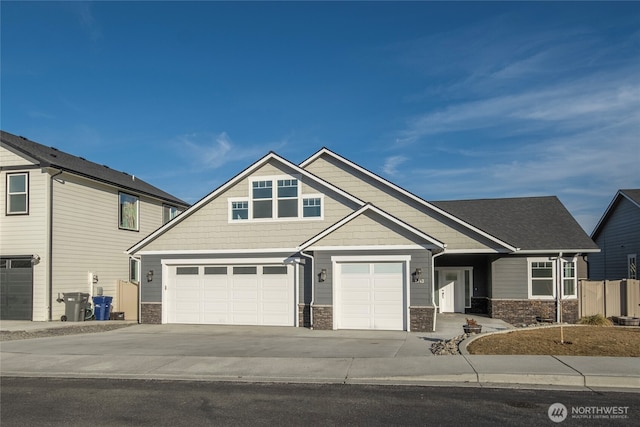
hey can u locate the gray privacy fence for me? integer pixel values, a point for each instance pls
(609, 297)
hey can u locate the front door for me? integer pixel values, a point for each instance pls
(448, 280)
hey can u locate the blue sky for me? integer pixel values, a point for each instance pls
(448, 100)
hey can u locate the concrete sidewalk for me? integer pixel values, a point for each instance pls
(272, 354)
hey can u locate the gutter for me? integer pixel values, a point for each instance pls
(313, 285)
(50, 257)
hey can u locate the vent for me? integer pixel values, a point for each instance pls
(105, 166)
(54, 149)
(82, 158)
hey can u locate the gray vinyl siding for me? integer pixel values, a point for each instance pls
(420, 293)
(619, 237)
(509, 277)
(393, 202)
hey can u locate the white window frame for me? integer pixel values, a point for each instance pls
(278, 198)
(300, 197)
(557, 278)
(530, 279)
(233, 200)
(137, 218)
(632, 273)
(134, 270)
(21, 193)
(174, 211)
(575, 278)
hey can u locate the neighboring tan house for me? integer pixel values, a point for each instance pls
(330, 245)
(66, 225)
(618, 235)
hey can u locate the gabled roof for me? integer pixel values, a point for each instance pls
(54, 158)
(632, 195)
(369, 207)
(529, 223)
(427, 205)
(246, 172)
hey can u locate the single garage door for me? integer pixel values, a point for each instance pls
(231, 295)
(16, 289)
(371, 296)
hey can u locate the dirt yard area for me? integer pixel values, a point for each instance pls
(578, 341)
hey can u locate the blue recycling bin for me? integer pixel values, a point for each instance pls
(102, 307)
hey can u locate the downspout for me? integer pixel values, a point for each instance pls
(433, 284)
(313, 287)
(559, 288)
(50, 260)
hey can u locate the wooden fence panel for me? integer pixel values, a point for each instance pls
(609, 298)
(633, 298)
(591, 296)
(128, 299)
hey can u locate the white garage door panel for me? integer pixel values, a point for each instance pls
(219, 296)
(371, 296)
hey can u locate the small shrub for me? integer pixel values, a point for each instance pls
(596, 320)
(472, 322)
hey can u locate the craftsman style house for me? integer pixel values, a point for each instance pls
(618, 235)
(65, 226)
(330, 245)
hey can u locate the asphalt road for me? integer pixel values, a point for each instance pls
(75, 402)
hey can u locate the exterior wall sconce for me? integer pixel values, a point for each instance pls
(150, 276)
(323, 275)
(417, 276)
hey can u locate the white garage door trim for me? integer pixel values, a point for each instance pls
(337, 285)
(169, 266)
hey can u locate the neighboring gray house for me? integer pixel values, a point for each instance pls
(618, 235)
(65, 227)
(331, 245)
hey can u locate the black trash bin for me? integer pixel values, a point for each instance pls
(75, 305)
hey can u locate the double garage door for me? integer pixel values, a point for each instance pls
(16, 288)
(231, 295)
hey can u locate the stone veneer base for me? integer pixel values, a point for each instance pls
(421, 319)
(151, 313)
(525, 312)
(322, 317)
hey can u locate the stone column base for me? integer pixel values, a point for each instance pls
(422, 319)
(322, 317)
(151, 313)
(304, 315)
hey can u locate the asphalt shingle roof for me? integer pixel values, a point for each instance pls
(52, 157)
(528, 223)
(633, 194)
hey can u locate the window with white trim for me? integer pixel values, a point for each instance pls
(311, 207)
(276, 198)
(169, 212)
(262, 194)
(287, 198)
(541, 278)
(632, 266)
(239, 210)
(18, 193)
(569, 279)
(128, 212)
(134, 270)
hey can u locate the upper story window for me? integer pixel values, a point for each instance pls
(169, 212)
(632, 266)
(128, 212)
(275, 198)
(18, 193)
(262, 195)
(287, 198)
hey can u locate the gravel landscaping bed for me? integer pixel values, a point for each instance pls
(67, 330)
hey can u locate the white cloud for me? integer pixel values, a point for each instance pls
(391, 164)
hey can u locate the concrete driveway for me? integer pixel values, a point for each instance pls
(249, 341)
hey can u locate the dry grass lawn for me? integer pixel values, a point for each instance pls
(579, 341)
